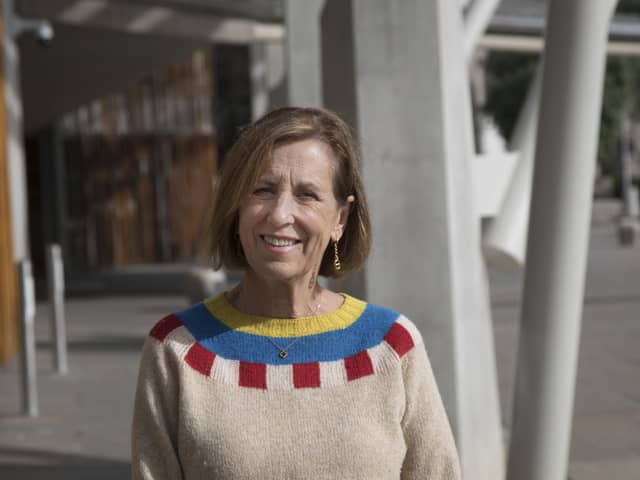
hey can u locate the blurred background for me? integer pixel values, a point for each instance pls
(115, 117)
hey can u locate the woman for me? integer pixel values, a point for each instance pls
(280, 378)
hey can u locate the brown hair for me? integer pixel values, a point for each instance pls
(248, 158)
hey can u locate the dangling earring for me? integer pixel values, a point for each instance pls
(336, 258)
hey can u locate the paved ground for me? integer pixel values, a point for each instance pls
(606, 429)
(83, 430)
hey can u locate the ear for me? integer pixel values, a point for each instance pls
(343, 217)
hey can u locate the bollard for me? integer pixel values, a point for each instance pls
(629, 226)
(633, 201)
(55, 285)
(28, 353)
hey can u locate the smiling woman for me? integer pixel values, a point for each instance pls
(279, 377)
(287, 222)
(326, 138)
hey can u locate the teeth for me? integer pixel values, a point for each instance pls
(278, 242)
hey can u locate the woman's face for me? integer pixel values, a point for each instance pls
(292, 213)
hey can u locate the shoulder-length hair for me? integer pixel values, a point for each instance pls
(247, 160)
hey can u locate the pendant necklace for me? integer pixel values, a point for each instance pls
(283, 352)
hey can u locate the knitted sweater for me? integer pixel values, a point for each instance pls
(354, 398)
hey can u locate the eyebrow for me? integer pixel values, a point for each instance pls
(272, 181)
(308, 185)
(267, 181)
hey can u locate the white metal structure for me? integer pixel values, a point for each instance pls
(558, 238)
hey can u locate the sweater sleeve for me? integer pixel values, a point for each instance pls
(154, 429)
(431, 451)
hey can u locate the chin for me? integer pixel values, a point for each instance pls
(279, 273)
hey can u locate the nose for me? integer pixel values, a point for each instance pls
(282, 210)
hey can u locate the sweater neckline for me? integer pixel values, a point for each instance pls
(350, 310)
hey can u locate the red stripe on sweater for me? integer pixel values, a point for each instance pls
(358, 365)
(399, 339)
(306, 375)
(200, 359)
(253, 375)
(164, 327)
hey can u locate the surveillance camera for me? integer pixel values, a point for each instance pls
(45, 34)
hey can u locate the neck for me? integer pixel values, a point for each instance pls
(256, 296)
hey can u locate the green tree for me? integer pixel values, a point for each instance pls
(628, 6)
(510, 74)
(622, 81)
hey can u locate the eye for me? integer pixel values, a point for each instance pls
(308, 195)
(263, 191)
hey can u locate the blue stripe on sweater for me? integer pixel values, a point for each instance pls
(366, 332)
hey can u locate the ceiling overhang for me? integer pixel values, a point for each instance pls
(217, 21)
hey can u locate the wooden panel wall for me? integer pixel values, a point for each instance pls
(8, 278)
(190, 190)
(140, 169)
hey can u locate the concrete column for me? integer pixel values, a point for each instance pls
(268, 79)
(397, 72)
(259, 88)
(576, 41)
(15, 140)
(304, 87)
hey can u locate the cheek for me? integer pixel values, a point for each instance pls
(249, 215)
(325, 223)
(246, 222)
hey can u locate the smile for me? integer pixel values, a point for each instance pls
(279, 242)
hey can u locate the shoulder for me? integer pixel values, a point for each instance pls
(178, 334)
(394, 328)
(164, 327)
(195, 320)
(176, 340)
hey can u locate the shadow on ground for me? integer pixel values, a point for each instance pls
(113, 343)
(39, 465)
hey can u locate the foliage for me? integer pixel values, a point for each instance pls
(622, 81)
(509, 75)
(628, 6)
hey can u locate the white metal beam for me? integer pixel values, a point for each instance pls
(534, 44)
(476, 21)
(558, 238)
(505, 237)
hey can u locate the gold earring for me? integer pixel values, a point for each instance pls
(336, 258)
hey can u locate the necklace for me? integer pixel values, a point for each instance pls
(283, 351)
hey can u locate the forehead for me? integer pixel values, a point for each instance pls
(310, 157)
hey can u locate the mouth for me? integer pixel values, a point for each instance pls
(279, 241)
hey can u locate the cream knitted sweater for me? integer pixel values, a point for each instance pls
(353, 398)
